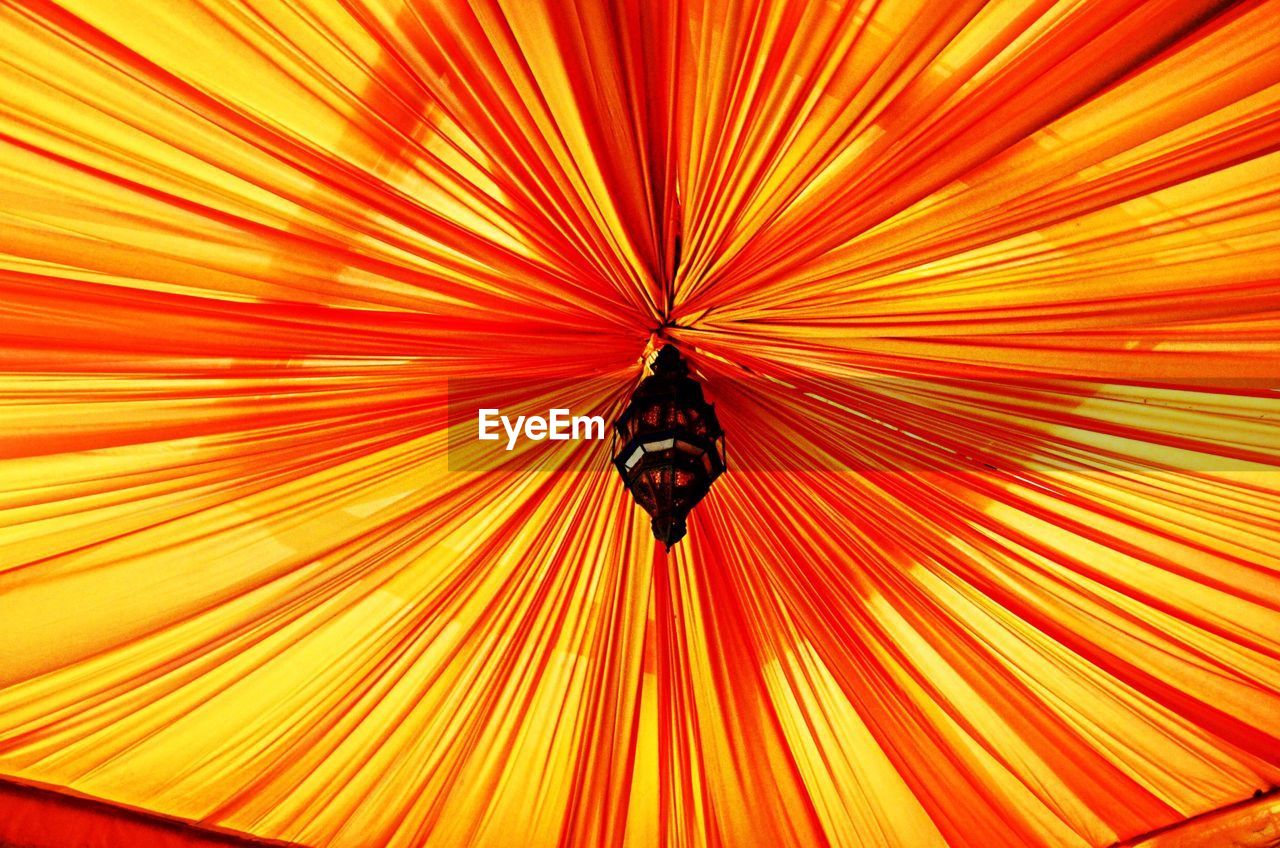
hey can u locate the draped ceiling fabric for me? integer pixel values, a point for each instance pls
(988, 295)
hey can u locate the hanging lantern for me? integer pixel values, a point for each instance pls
(672, 445)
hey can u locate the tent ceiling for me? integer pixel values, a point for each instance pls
(986, 295)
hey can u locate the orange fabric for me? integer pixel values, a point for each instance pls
(43, 817)
(1254, 823)
(987, 294)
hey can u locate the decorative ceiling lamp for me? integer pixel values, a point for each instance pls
(672, 445)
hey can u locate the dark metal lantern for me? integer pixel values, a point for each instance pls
(672, 445)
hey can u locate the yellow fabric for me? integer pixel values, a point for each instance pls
(987, 295)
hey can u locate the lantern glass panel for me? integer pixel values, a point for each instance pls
(634, 458)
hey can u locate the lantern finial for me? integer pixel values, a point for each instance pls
(668, 529)
(668, 361)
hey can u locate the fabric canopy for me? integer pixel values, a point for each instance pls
(988, 297)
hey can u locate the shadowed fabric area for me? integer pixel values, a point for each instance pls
(45, 817)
